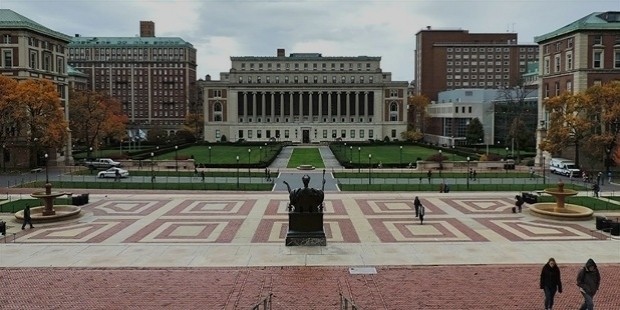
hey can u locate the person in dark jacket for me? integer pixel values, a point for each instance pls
(588, 281)
(416, 205)
(550, 282)
(27, 218)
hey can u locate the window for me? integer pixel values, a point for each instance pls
(7, 58)
(259, 134)
(6, 39)
(569, 61)
(343, 133)
(286, 134)
(218, 134)
(371, 134)
(393, 133)
(324, 133)
(597, 40)
(240, 134)
(393, 93)
(250, 134)
(361, 133)
(597, 59)
(352, 134)
(34, 55)
(556, 63)
(547, 65)
(617, 59)
(569, 86)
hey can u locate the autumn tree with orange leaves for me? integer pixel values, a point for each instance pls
(417, 114)
(8, 122)
(40, 116)
(590, 119)
(95, 116)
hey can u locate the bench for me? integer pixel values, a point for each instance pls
(36, 170)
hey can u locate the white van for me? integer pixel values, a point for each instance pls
(564, 166)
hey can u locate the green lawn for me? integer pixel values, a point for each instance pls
(388, 154)
(20, 204)
(223, 154)
(306, 156)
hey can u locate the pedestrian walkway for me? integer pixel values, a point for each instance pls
(131, 248)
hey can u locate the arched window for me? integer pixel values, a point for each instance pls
(393, 107)
(217, 107)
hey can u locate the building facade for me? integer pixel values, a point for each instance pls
(304, 98)
(454, 59)
(32, 51)
(575, 57)
(153, 77)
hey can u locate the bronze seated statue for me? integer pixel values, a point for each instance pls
(306, 199)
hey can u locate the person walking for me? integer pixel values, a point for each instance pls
(429, 174)
(416, 205)
(202, 175)
(27, 218)
(550, 282)
(588, 280)
(596, 189)
(421, 213)
(532, 173)
(117, 176)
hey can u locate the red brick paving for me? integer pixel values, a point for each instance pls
(503, 287)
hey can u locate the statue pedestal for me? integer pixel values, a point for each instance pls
(305, 228)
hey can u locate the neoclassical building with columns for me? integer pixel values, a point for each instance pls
(304, 98)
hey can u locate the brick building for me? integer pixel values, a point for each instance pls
(153, 77)
(575, 57)
(454, 59)
(32, 51)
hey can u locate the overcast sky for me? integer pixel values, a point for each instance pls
(219, 29)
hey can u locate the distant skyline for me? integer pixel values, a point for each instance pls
(219, 29)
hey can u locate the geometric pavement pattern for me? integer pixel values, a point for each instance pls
(229, 218)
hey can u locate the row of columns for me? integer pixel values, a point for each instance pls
(350, 97)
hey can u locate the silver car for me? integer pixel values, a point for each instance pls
(111, 173)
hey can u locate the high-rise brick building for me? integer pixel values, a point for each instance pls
(153, 77)
(454, 59)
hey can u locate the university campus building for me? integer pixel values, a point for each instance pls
(32, 51)
(304, 98)
(153, 77)
(575, 57)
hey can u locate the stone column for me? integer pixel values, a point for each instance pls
(273, 105)
(320, 106)
(310, 106)
(263, 108)
(281, 106)
(254, 105)
(366, 114)
(291, 107)
(329, 106)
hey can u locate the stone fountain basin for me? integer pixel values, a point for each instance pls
(570, 212)
(63, 212)
(45, 195)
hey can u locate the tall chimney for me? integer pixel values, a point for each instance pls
(147, 28)
(281, 52)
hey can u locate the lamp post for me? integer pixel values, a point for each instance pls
(47, 179)
(400, 164)
(507, 148)
(176, 158)
(543, 170)
(209, 154)
(260, 150)
(350, 154)
(468, 159)
(440, 162)
(453, 154)
(359, 160)
(237, 171)
(90, 151)
(369, 168)
(152, 164)
(249, 153)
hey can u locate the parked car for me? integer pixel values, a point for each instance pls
(111, 173)
(101, 163)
